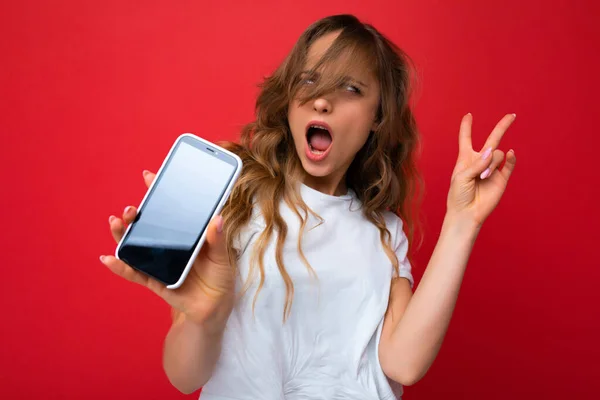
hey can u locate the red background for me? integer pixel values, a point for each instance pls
(91, 93)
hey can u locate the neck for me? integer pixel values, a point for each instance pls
(328, 184)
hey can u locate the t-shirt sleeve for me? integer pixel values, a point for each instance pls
(400, 247)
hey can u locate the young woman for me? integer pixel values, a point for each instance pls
(304, 288)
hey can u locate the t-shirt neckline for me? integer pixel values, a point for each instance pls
(308, 192)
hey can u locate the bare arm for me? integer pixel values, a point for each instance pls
(201, 306)
(414, 328)
(191, 351)
(415, 325)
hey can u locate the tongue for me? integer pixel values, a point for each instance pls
(320, 140)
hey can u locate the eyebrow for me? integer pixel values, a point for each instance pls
(348, 78)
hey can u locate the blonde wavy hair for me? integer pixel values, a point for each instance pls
(383, 174)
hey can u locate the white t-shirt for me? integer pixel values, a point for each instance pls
(327, 349)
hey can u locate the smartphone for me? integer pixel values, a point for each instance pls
(190, 188)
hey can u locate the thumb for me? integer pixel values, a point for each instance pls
(217, 244)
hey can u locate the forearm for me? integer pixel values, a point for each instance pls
(191, 351)
(419, 333)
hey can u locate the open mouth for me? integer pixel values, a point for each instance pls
(318, 137)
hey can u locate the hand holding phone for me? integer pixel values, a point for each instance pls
(209, 286)
(189, 190)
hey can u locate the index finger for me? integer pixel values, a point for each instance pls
(148, 177)
(117, 225)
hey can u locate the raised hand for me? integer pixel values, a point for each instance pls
(477, 184)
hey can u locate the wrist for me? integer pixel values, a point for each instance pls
(212, 323)
(460, 226)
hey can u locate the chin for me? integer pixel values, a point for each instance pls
(316, 170)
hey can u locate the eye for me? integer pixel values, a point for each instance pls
(353, 89)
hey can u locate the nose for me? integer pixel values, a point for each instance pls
(322, 105)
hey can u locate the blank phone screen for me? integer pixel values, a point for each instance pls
(177, 210)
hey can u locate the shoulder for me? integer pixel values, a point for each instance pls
(400, 246)
(395, 226)
(392, 220)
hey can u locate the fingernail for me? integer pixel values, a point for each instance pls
(102, 259)
(514, 115)
(111, 219)
(485, 174)
(145, 172)
(468, 113)
(127, 209)
(220, 224)
(486, 153)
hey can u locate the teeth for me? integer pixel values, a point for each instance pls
(315, 151)
(318, 127)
